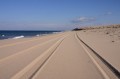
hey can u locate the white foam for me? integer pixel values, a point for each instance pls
(18, 37)
(37, 35)
(55, 32)
(3, 35)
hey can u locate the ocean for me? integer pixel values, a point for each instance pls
(12, 34)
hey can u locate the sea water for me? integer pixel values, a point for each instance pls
(5, 34)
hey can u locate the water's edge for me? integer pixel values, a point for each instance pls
(21, 34)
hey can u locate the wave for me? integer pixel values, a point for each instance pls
(18, 37)
(3, 35)
(38, 35)
(55, 32)
(21, 34)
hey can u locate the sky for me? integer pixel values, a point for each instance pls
(57, 14)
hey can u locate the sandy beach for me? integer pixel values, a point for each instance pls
(66, 55)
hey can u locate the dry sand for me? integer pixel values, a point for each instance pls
(106, 41)
(60, 56)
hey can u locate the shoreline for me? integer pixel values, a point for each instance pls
(60, 55)
(3, 36)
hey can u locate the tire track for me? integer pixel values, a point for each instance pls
(29, 71)
(69, 62)
(23, 51)
(10, 50)
(114, 70)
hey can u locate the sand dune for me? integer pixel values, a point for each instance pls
(59, 56)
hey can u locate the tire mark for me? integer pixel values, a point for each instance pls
(113, 69)
(28, 49)
(39, 61)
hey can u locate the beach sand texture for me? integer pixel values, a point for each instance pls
(61, 56)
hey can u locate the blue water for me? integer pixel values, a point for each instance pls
(13, 34)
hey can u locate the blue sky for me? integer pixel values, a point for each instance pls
(57, 14)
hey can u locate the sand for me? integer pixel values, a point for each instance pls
(60, 56)
(106, 42)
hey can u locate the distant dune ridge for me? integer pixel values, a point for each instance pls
(99, 27)
(113, 31)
